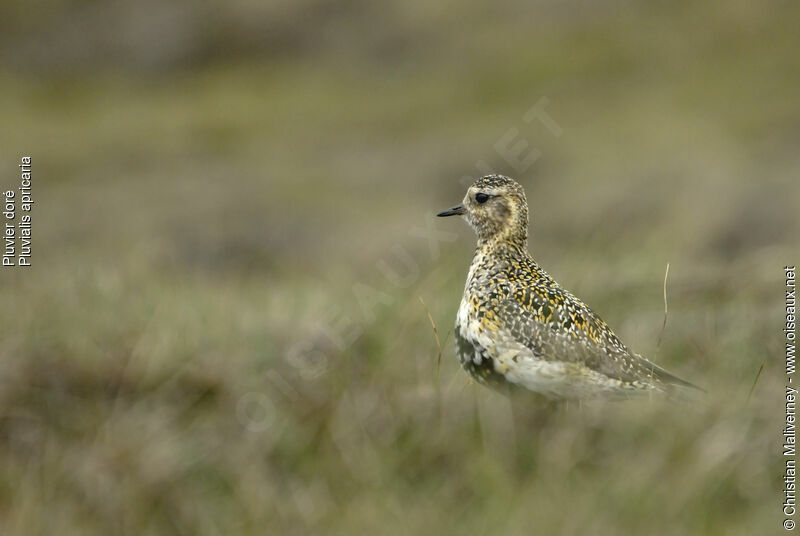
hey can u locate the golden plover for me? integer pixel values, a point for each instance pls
(517, 326)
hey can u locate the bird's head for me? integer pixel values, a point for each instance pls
(496, 208)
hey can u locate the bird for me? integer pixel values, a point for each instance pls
(516, 327)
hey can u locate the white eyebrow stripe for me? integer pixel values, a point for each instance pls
(491, 192)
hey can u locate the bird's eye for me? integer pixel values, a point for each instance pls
(481, 198)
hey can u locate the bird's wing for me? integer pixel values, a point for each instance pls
(576, 336)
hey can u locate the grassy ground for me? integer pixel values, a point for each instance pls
(222, 332)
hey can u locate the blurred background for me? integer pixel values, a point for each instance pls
(222, 330)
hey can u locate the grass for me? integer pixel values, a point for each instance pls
(222, 330)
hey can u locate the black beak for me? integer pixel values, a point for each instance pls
(455, 211)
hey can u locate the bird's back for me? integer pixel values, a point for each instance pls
(517, 325)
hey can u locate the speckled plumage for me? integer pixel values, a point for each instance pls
(517, 326)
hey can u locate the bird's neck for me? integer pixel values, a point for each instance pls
(513, 237)
(516, 245)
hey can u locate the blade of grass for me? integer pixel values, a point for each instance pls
(755, 381)
(436, 336)
(666, 309)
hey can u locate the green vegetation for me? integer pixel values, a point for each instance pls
(171, 364)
